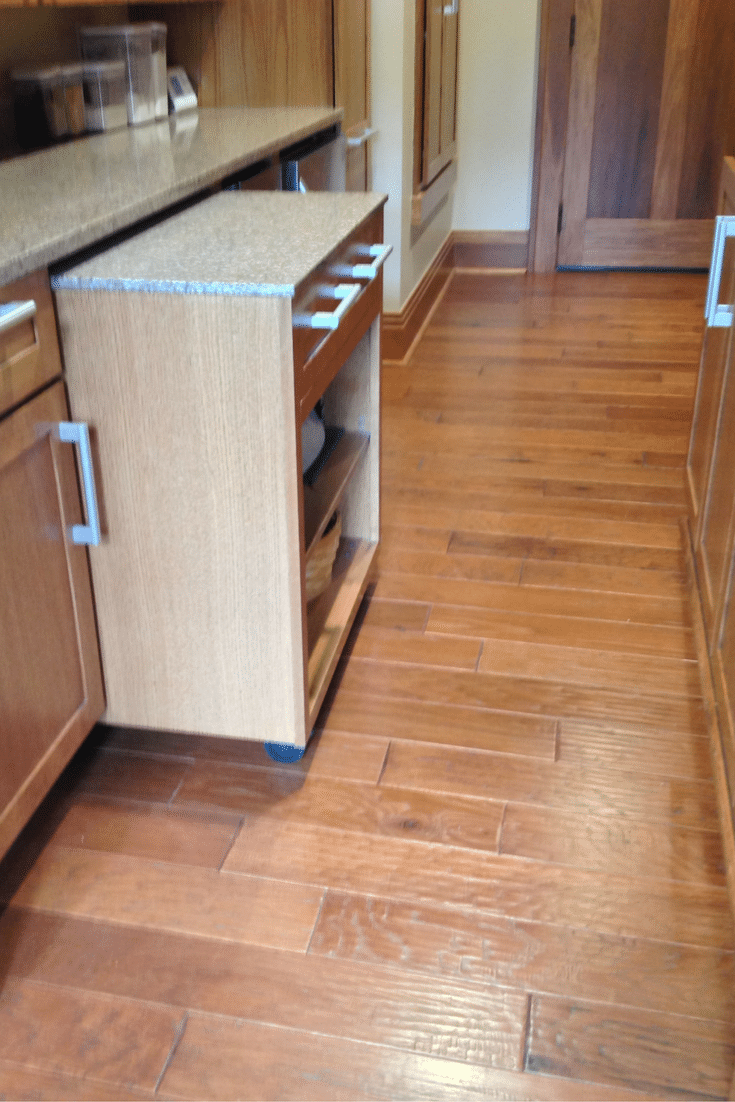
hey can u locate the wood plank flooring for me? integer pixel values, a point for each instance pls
(497, 872)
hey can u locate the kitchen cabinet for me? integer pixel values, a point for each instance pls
(435, 129)
(192, 351)
(711, 473)
(351, 85)
(51, 690)
(711, 459)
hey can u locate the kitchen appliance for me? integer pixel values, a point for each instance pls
(316, 164)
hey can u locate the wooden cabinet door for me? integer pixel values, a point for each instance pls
(438, 98)
(650, 118)
(351, 85)
(50, 677)
(715, 347)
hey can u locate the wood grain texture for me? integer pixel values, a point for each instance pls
(172, 897)
(644, 1051)
(459, 848)
(51, 691)
(78, 1033)
(439, 941)
(518, 888)
(377, 1005)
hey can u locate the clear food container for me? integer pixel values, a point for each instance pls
(39, 105)
(105, 95)
(142, 47)
(71, 76)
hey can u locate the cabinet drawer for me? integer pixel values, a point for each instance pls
(318, 352)
(29, 349)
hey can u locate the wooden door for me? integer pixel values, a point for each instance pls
(50, 676)
(632, 144)
(352, 87)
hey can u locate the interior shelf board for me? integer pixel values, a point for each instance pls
(331, 615)
(321, 499)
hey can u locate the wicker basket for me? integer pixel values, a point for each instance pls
(321, 560)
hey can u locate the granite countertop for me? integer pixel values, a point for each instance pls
(235, 243)
(67, 197)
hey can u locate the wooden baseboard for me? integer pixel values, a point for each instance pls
(490, 249)
(399, 331)
(482, 250)
(710, 701)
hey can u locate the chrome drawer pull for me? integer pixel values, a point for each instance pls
(347, 293)
(13, 313)
(76, 432)
(369, 271)
(718, 315)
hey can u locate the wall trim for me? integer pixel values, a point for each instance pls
(399, 331)
(479, 250)
(489, 248)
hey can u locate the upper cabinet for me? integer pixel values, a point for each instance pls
(435, 125)
(351, 85)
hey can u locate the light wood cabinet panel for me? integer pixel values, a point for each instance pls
(351, 84)
(50, 677)
(197, 402)
(257, 53)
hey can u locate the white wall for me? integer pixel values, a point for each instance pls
(496, 107)
(496, 99)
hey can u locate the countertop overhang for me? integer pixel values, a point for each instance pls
(234, 243)
(59, 200)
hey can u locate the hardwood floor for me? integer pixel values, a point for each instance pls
(497, 872)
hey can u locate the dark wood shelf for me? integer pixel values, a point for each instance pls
(321, 499)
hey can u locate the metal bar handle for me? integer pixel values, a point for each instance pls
(451, 9)
(719, 315)
(361, 139)
(347, 293)
(13, 313)
(380, 253)
(77, 432)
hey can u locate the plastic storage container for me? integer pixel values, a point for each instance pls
(72, 80)
(39, 105)
(105, 95)
(142, 47)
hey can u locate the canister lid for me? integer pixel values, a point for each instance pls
(109, 69)
(120, 30)
(48, 76)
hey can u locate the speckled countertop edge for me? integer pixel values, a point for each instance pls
(262, 243)
(33, 236)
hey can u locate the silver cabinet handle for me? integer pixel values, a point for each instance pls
(719, 316)
(13, 313)
(76, 432)
(347, 293)
(380, 254)
(361, 139)
(451, 9)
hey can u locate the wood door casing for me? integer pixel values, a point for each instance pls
(632, 126)
(50, 677)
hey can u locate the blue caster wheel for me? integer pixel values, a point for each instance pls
(281, 751)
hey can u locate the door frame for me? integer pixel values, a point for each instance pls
(552, 109)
